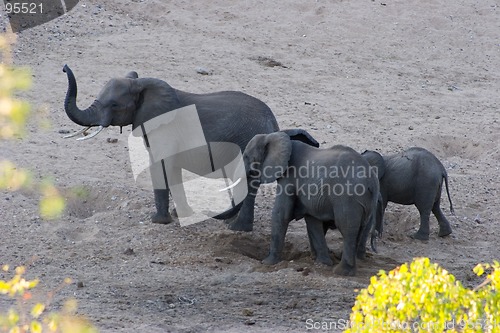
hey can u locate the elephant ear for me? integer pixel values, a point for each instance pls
(302, 135)
(277, 151)
(154, 98)
(376, 161)
(132, 75)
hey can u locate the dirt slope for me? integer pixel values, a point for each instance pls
(368, 74)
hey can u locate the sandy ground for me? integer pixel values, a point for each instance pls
(368, 74)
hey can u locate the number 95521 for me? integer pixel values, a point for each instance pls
(24, 8)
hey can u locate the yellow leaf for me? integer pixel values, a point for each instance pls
(52, 204)
(70, 306)
(11, 178)
(479, 269)
(20, 270)
(4, 287)
(15, 329)
(37, 310)
(35, 327)
(12, 317)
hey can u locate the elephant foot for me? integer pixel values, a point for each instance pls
(337, 255)
(184, 212)
(162, 219)
(361, 254)
(325, 260)
(423, 236)
(444, 231)
(271, 260)
(231, 220)
(344, 270)
(239, 225)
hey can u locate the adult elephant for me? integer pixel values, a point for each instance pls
(225, 117)
(326, 187)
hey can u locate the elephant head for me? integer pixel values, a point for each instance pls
(376, 162)
(266, 159)
(120, 102)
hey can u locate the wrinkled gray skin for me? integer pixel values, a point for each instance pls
(377, 227)
(305, 190)
(226, 116)
(413, 177)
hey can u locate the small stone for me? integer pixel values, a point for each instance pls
(247, 312)
(411, 128)
(110, 140)
(249, 322)
(203, 71)
(129, 251)
(79, 284)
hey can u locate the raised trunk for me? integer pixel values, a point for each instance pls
(88, 117)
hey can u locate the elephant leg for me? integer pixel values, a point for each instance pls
(281, 217)
(363, 237)
(244, 219)
(350, 228)
(162, 216)
(444, 225)
(161, 194)
(182, 208)
(317, 241)
(423, 231)
(347, 265)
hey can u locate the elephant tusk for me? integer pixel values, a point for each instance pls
(82, 131)
(231, 186)
(91, 135)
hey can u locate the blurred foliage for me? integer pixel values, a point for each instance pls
(13, 115)
(52, 203)
(13, 112)
(27, 315)
(423, 297)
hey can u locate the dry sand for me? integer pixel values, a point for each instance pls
(368, 74)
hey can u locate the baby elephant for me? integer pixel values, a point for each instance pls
(319, 185)
(413, 177)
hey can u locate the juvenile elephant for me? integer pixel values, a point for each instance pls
(225, 117)
(323, 186)
(413, 177)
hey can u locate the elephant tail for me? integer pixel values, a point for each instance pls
(445, 176)
(368, 226)
(376, 220)
(379, 217)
